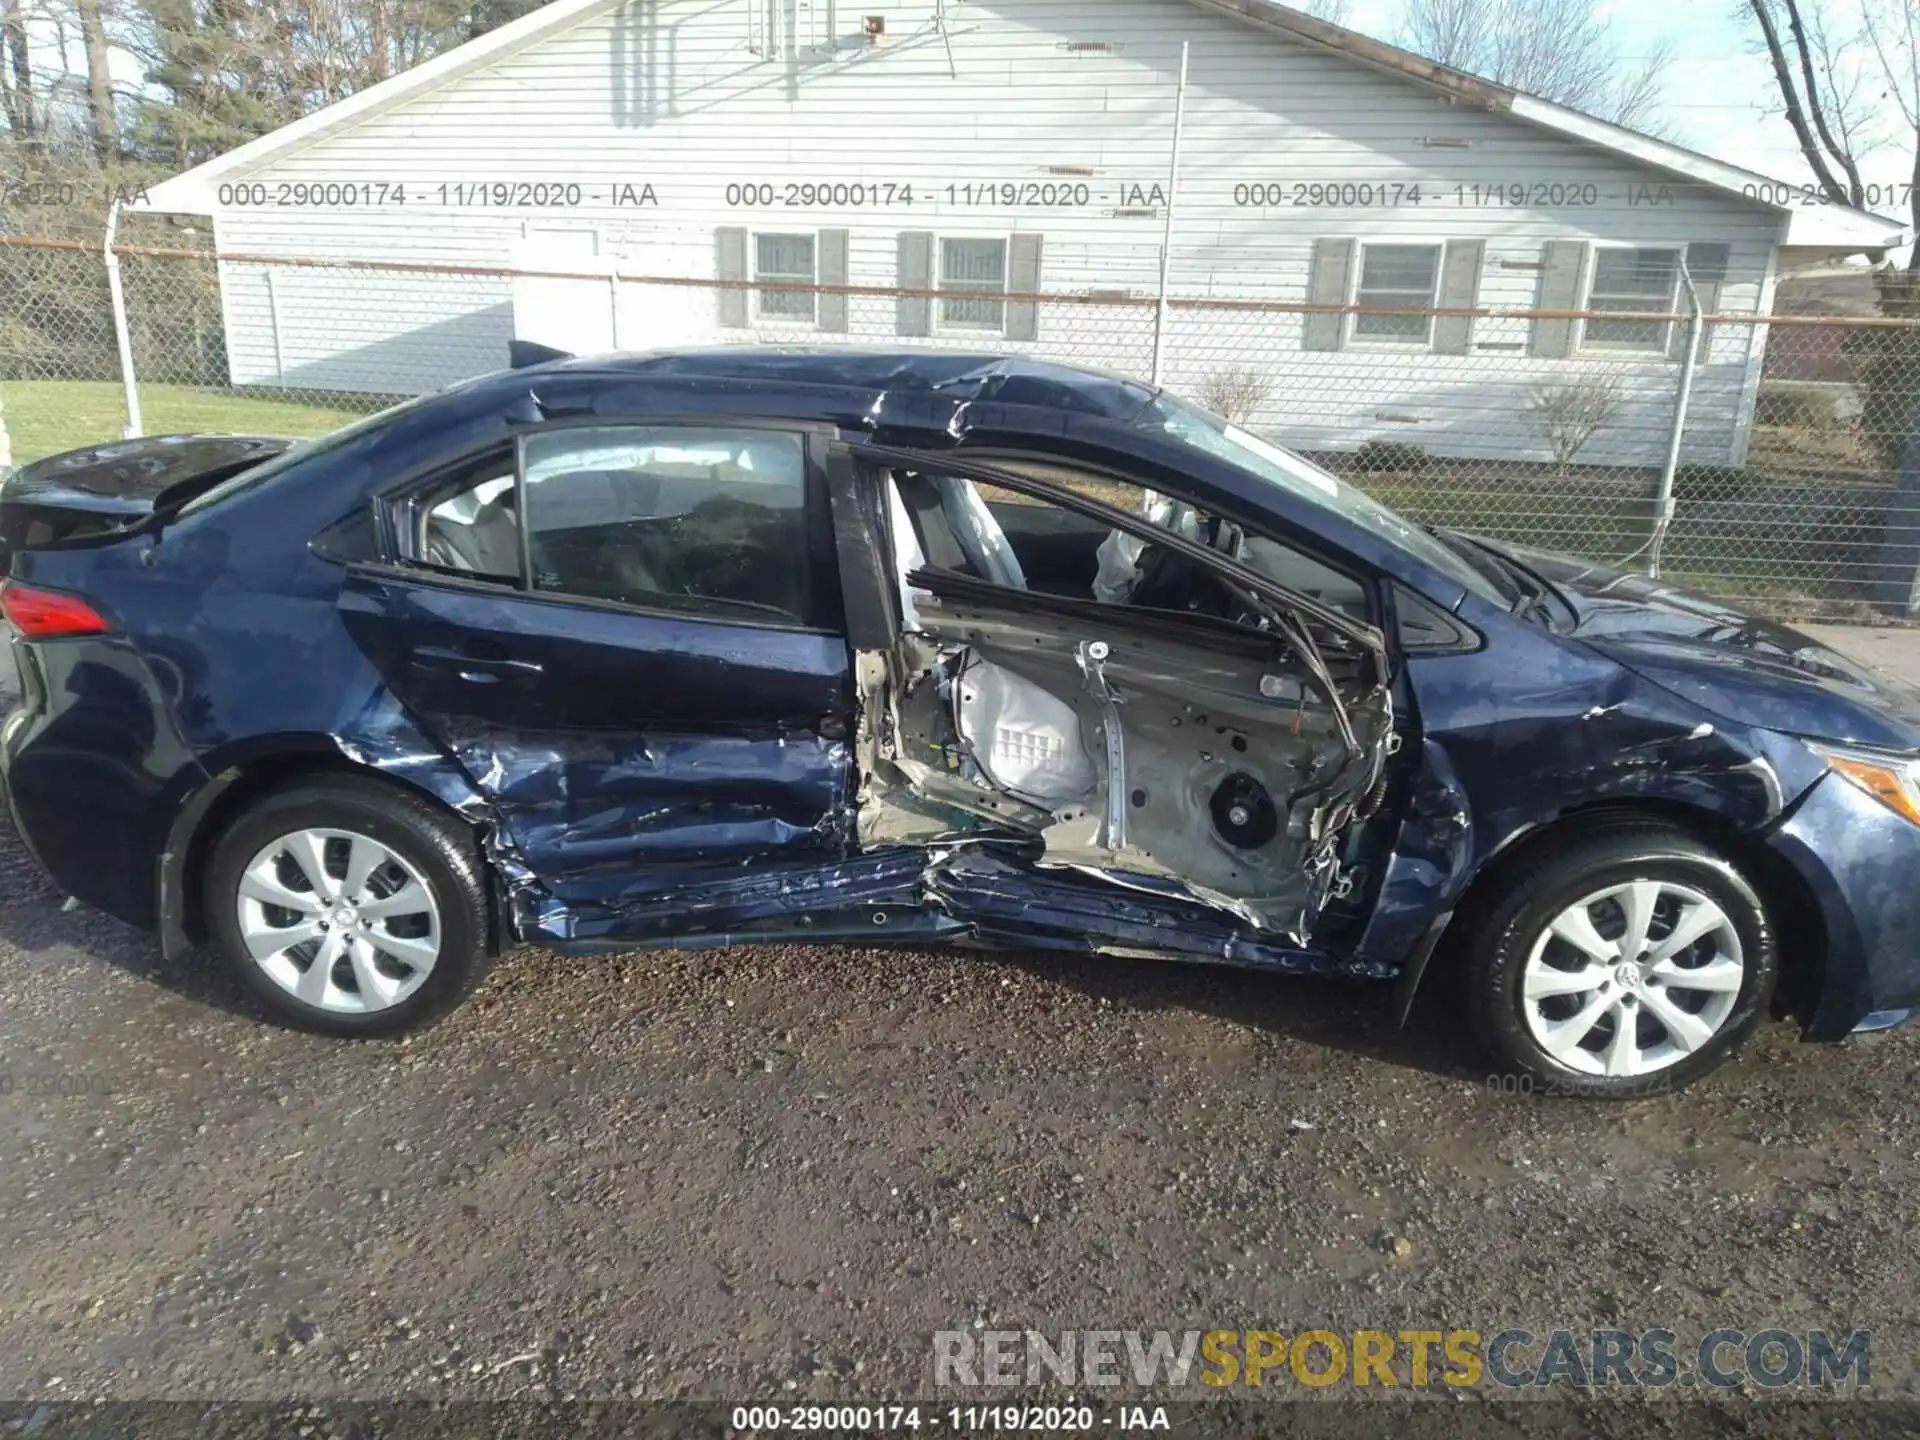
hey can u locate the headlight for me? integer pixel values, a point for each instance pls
(1893, 781)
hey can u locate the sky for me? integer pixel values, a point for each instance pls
(1720, 94)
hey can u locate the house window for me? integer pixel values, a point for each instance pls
(784, 259)
(1632, 279)
(1397, 277)
(977, 265)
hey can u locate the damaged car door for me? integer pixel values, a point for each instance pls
(628, 636)
(1206, 753)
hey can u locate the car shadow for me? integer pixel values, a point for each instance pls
(35, 920)
(1358, 1018)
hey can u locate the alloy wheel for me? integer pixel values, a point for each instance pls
(1632, 979)
(338, 920)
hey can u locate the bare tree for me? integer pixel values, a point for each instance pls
(1334, 12)
(1805, 74)
(1562, 50)
(1236, 395)
(1829, 79)
(1570, 414)
(22, 115)
(105, 124)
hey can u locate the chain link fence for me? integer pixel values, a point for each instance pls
(1775, 467)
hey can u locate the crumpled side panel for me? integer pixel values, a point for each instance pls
(1010, 903)
(582, 803)
(714, 904)
(596, 835)
(383, 735)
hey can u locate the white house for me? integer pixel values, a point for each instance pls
(1021, 147)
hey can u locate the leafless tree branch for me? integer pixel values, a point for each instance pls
(1563, 50)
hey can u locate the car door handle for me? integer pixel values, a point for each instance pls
(479, 669)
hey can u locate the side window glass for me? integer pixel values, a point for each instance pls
(697, 518)
(468, 524)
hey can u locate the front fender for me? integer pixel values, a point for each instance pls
(1498, 765)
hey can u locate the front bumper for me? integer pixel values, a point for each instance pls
(1862, 864)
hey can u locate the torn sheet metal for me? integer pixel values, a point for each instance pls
(1007, 902)
(1196, 766)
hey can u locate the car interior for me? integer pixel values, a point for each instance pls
(1007, 539)
(722, 526)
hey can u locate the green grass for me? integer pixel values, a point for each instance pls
(44, 417)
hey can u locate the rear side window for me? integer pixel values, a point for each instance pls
(695, 518)
(471, 527)
(678, 516)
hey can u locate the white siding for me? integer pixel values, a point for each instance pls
(670, 94)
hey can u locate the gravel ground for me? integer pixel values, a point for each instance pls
(770, 1174)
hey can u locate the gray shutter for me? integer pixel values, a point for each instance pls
(1562, 272)
(730, 263)
(913, 314)
(1023, 278)
(1328, 283)
(1459, 290)
(833, 271)
(1707, 264)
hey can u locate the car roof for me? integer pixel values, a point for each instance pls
(956, 375)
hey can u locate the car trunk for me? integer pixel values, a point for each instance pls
(104, 488)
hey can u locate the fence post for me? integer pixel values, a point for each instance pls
(1166, 234)
(122, 333)
(273, 322)
(1689, 363)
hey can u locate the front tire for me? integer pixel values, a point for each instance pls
(349, 907)
(1630, 962)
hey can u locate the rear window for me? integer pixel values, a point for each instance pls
(298, 455)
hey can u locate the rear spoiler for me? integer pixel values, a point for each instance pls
(523, 353)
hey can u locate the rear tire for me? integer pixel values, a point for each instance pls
(389, 934)
(1630, 962)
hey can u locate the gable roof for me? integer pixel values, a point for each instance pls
(1832, 227)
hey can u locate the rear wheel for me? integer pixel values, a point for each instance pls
(348, 907)
(1628, 963)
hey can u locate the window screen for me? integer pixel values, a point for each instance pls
(1397, 277)
(973, 265)
(682, 517)
(788, 258)
(1632, 280)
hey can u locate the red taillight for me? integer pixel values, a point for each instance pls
(47, 614)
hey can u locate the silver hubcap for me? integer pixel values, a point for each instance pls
(1632, 979)
(338, 920)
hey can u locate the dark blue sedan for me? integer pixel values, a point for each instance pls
(701, 649)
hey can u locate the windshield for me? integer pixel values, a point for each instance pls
(306, 450)
(1306, 481)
